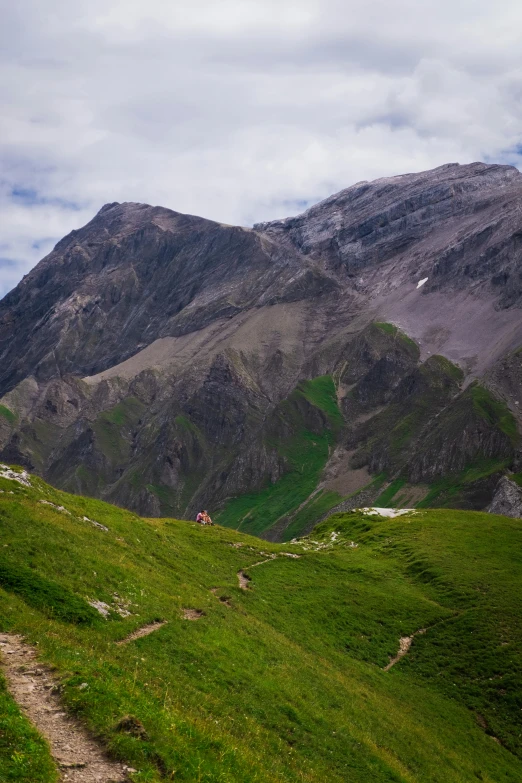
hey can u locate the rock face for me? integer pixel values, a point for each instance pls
(507, 499)
(157, 359)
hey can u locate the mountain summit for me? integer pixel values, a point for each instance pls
(368, 346)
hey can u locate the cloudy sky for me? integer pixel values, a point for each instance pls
(239, 110)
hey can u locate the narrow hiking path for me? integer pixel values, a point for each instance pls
(145, 630)
(404, 646)
(244, 579)
(78, 757)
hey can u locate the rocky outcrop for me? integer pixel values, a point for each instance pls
(151, 357)
(460, 223)
(507, 499)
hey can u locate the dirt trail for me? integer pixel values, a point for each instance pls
(262, 562)
(244, 580)
(404, 646)
(193, 614)
(79, 758)
(144, 631)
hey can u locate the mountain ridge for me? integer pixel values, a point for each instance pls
(144, 360)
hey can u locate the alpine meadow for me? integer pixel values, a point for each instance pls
(283, 674)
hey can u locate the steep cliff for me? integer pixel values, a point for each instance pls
(157, 359)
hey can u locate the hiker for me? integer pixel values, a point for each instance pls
(203, 518)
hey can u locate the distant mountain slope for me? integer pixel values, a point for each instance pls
(151, 358)
(286, 680)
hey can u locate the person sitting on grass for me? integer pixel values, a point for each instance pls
(203, 518)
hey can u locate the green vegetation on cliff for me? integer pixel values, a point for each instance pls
(398, 334)
(7, 414)
(321, 393)
(494, 411)
(283, 681)
(303, 437)
(113, 429)
(254, 513)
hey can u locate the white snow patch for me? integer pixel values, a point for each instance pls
(387, 512)
(421, 282)
(22, 478)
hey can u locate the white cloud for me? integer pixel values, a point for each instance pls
(241, 110)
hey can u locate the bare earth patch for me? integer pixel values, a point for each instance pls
(244, 580)
(80, 758)
(223, 599)
(193, 614)
(404, 646)
(339, 476)
(144, 631)
(410, 495)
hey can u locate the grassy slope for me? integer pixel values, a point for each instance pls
(7, 414)
(307, 453)
(286, 684)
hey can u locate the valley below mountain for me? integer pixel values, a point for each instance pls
(366, 352)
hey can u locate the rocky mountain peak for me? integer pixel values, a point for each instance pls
(158, 349)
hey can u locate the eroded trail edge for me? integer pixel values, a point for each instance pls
(145, 630)
(404, 646)
(79, 758)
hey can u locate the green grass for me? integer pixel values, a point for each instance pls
(186, 424)
(24, 755)
(449, 368)
(396, 430)
(321, 393)
(7, 414)
(393, 330)
(45, 594)
(286, 683)
(446, 491)
(494, 411)
(114, 427)
(255, 512)
(313, 510)
(306, 452)
(517, 478)
(387, 495)
(126, 412)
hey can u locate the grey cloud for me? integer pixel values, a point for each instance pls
(242, 110)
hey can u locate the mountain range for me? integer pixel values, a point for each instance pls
(366, 352)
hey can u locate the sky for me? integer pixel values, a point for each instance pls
(239, 110)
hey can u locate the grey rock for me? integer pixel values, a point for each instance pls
(507, 499)
(147, 357)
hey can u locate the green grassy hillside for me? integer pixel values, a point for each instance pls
(283, 681)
